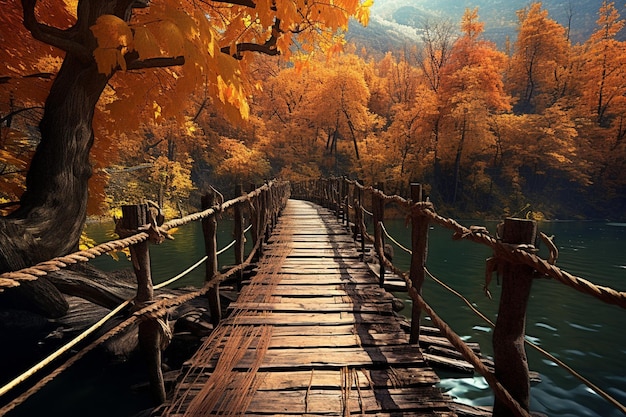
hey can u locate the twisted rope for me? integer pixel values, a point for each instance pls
(539, 349)
(515, 254)
(499, 390)
(153, 310)
(31, 273)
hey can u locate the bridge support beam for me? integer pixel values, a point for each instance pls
(511, 364)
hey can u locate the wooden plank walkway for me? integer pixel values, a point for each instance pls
(312, 334)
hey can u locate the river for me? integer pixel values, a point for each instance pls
(580, 330)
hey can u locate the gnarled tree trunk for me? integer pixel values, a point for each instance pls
(53, 208)
(52, 213)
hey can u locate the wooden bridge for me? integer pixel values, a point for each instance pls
(312, 334)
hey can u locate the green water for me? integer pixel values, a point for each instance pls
(580, 330)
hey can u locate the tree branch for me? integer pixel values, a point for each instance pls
(246, 3)
(268, 48)
(133, 62)
(10, 115)
(51, 35)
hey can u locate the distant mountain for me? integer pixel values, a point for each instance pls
(397, 22)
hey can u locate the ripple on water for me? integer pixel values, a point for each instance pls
(581, 327)
(563, 400)
(482, 329)
(546, 326)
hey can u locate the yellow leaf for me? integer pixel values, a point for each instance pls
(107, 59)
(170, 37)
(157, 110)
(146, 44)
(112, 32)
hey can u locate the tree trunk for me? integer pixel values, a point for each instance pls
(53, 208)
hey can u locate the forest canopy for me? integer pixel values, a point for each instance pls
(489, 130)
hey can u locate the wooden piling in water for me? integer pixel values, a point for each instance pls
(511, 365)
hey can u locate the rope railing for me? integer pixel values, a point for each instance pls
(31, 273)
(510, 253)
(150, 310)
(478, 313)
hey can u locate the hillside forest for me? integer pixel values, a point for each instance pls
(536, 127)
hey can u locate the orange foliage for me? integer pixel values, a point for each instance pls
(214, 39)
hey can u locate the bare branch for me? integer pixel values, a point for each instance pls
(51, 35)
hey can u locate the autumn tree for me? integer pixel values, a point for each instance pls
(539, 60)
(604, 70)
(473, 91)
(408, 106)
(287, 136)
(603, 92)
(199, 44)
(345, 113)
(438, 38)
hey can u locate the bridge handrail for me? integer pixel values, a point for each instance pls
(334, 193)
(510, 252)
(31, 273)
(270, 199)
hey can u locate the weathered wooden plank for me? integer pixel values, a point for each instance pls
(306, 318)
(348, 340)
(365, 332)
(329, 379)
(335, 347)
(366, 401)
(332, 402)
(311, 358)
(331, 290)
(315, 305)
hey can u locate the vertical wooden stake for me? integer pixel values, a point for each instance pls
(347, 209)
(238, 232)
(511, 365)
(134, 216)
(419, 247)
(265, 223)
(378, 209)
(338, 196)
(362, 223)
(209, 228)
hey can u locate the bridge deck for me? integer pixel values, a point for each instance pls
(313, 334)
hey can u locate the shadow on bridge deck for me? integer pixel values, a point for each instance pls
(312, 334)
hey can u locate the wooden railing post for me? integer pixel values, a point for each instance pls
(338, 187)
(240, 238)
(511, 365)
(362, 222)
(265, 222)
(133, 217)
(419, 248)
(378, 209)
(209, 228)
(346, 211)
